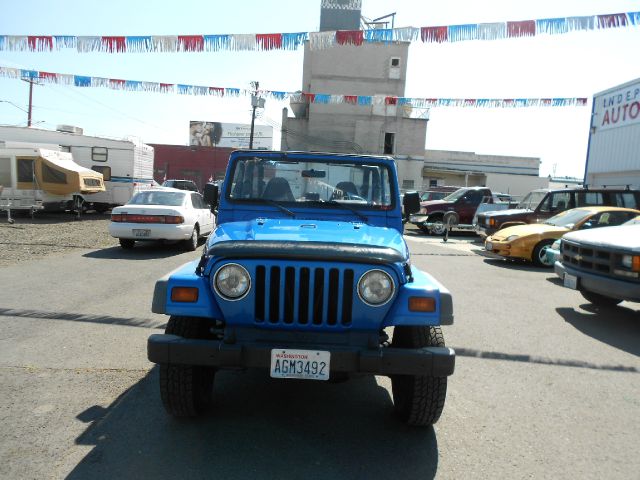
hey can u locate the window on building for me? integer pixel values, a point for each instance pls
(433, 182)
(395, 62)
(407, 184)
(99, 154)
(389, 143)
(105, 171)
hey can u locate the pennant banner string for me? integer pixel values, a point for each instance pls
(294, 97)
(317, 40)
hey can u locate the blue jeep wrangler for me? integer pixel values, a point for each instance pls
(306, 275)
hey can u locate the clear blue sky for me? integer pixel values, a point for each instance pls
(571, 65)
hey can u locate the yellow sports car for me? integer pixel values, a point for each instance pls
(530, 242)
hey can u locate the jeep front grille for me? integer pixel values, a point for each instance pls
(293, 295)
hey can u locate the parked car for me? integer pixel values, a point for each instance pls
(531, 242)
(539, 205)
(603, 265)
(181, 185)
(162, 214)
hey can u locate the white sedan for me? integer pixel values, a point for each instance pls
(162, 214)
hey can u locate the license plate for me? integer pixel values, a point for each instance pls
(141, 233)
(570, 281)
(488, 246)
(302, 364)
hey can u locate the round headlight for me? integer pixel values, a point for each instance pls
(232, 281)
(375, 287)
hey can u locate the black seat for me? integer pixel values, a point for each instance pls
(344, 190)
(278, 189)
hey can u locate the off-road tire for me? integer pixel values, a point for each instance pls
(539, 256)
(186, 390)
(127, 243)
(418, 400)
(599, 300)
(192, 242)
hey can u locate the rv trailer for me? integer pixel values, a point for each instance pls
(126, 165)
(34, 178)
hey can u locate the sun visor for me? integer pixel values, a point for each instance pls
(58, 174)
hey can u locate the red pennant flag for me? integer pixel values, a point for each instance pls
(269, 41)
(349, 37)
(115, 44)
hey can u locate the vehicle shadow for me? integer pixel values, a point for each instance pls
(259, 428)
(615, 326)
(142, 251)
(82, 317)
(511, 264)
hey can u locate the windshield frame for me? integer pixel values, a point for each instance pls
(388, 176)
(569, 218)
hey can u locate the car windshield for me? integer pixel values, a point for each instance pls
(633, 221)
(157, 197)
(532, 200)
(314, 181)
(568, 218)
(455, 195)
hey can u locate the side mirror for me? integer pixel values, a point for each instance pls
(411, 203)
(211, 195)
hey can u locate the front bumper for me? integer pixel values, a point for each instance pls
(609, 287)
(432, 361)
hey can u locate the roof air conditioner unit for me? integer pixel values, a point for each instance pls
(69, 129)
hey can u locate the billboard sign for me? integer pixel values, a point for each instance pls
(230, 135)
(618, 108)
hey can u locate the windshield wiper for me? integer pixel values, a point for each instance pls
(342, 205)
(276, 204)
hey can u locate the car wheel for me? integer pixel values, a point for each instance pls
(186, 390)
(127, 243)
(437, 226)
(600, 300)
(422, 228)
(540, 254)
(418, 399)
(192, 243)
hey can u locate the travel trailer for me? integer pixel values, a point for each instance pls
(126, 165)
(34, 178)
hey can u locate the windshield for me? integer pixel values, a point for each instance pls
(633, 221)
(157, 197)
(568, 218)
(532, 200)
(455, 195)
(299, 182)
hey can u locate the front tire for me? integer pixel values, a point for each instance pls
(540, 254)
(437, 226)
(186, 390)
(600, 300)
(418, 399)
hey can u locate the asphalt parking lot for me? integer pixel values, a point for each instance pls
(545, 384)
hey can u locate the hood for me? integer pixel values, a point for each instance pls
(624, 237)
(512, 212)
(294, 230)
(435, 205)
(542, 229)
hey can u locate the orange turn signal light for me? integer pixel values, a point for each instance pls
(422, 304)
(635, 263)
(184, 294)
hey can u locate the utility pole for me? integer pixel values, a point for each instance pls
(256, 102)
(30, 81)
